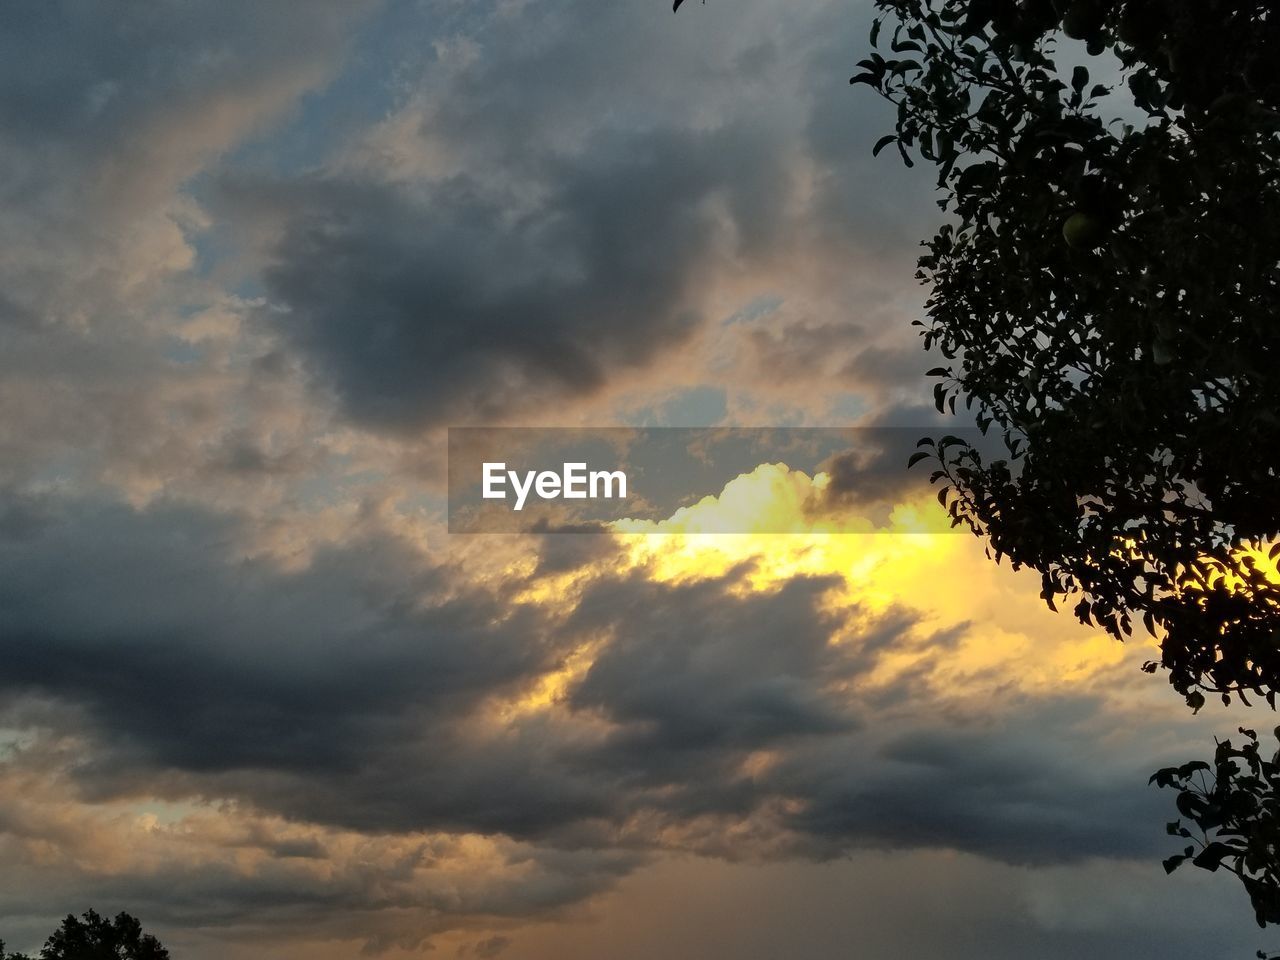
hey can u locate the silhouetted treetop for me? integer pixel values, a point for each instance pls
(92, 937)
(1105, 297)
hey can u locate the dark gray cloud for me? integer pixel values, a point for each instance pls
(1024, 789)
(454, 303)
(342, 682)
(346, 694)
(692, 673)
(342, 694)
(872, 476)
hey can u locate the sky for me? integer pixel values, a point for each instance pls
(257, 257)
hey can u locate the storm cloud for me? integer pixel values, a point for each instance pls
(455, 303)
(353, 694)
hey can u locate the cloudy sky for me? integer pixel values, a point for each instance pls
(256, 258)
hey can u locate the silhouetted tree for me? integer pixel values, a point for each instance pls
(1232, 818)
(11, 956)
(92, 937)
(1105, 297)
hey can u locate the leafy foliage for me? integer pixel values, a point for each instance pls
(11, 956)
(1234, 806)
(92, 937)
(1105, 297)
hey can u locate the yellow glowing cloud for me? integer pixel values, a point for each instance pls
(998, 632)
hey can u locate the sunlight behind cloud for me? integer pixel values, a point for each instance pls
(995, 625)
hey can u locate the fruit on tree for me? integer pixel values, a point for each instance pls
(1083, 231)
